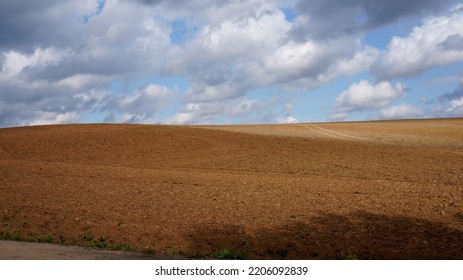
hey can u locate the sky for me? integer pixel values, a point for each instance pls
(229, 62)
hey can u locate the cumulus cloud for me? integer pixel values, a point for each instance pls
(142, 104)
(362, 60)
(224, 61)
(44, 76)
(287, 120)
(203, 12)
(244, 109)
(16, 62)
(42, 118)
(254, 51)
(450, 104)
(365, 96)
(123, 39)
(62, 59)
(402, 111)
(438, 41)
(311, 59)
(456, 107)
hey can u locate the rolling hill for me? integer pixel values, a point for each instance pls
(376, 190)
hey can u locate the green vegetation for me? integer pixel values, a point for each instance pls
(104, 243)
(172, 250)
(90, 242)
(45, 239)
(14, 236)
(243, 253)
(348, 256)
(17, 236)
(88, 237)
(226, 254)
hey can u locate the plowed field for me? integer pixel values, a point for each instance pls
(372, 190)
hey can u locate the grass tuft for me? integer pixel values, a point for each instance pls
(17, 236)
(46, 238)
(103, 243)
(13, 236)
(348, 256)
(226, 254)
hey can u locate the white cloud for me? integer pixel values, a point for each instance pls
(117, 43)
(362, 60)
(200, 12)
(401, 111)
(450, 104)
(226, 60)
(254, 51)
(201, 91)
(197, 113)
(313, 62)
(209, 112)
(15, 62)
(142, 104)
(91, 100)
(456, 107)
(354, 59)
(438, 41)
(60, 59)
(364, 96)
(287, 120)
(42, 118)
(83, 81)
(236, 37)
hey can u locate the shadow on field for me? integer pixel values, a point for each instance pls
(359, 235)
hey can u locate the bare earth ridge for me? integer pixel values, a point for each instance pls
(376, 190)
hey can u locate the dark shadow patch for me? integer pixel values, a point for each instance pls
(361, 235)
(459, 216)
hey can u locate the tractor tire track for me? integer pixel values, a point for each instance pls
(330, 133)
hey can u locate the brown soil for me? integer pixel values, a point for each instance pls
(379, 190)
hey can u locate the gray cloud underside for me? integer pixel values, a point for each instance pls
(26, 25)
(328, 18)
(456, 94)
